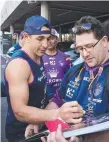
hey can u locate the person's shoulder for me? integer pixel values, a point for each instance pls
(18, 64)
(44, 56)
(63, 55)
(11, 49)
(18, 61)
(77, 66)
(78, 61)
(17, 69)
(17, 46)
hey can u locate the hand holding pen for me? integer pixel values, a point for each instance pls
(71, 112)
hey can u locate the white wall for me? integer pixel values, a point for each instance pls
(8, 8)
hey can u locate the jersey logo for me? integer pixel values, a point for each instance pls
(98, 89)
(52, 63)
(53, 73)
(46, 63)
(61, 63)
(51, 58)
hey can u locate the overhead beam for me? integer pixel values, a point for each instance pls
(69, 7)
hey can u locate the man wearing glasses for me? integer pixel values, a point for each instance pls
(87, 85)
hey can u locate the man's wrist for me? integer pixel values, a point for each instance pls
(56, 114)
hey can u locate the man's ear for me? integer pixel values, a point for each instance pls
(105, 41)
(26, 36)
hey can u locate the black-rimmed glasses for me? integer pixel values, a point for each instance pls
(88, 48)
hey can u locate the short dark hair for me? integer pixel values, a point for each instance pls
(106, 28)
(93, 25)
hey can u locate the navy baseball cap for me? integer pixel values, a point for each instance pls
(34, 24)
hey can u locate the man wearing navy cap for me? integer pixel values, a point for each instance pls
(25, 81)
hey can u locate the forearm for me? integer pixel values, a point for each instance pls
(35, 115)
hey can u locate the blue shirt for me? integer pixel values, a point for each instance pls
(88, 93)
(13, 49)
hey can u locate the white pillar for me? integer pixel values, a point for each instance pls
(12, 29)
(17, 38)
(45, 9)
(1, 42)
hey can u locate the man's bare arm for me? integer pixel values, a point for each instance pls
(17, 74)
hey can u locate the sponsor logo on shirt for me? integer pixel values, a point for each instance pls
(53, 73)
(43, 76)
(69, 92)
(86, 79)
(52, 63)
(61, 63)
(52, 58)
(41, 68)
(98, 90)
(46, 63)
(54, 80)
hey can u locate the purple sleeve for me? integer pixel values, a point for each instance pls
(56, 99)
